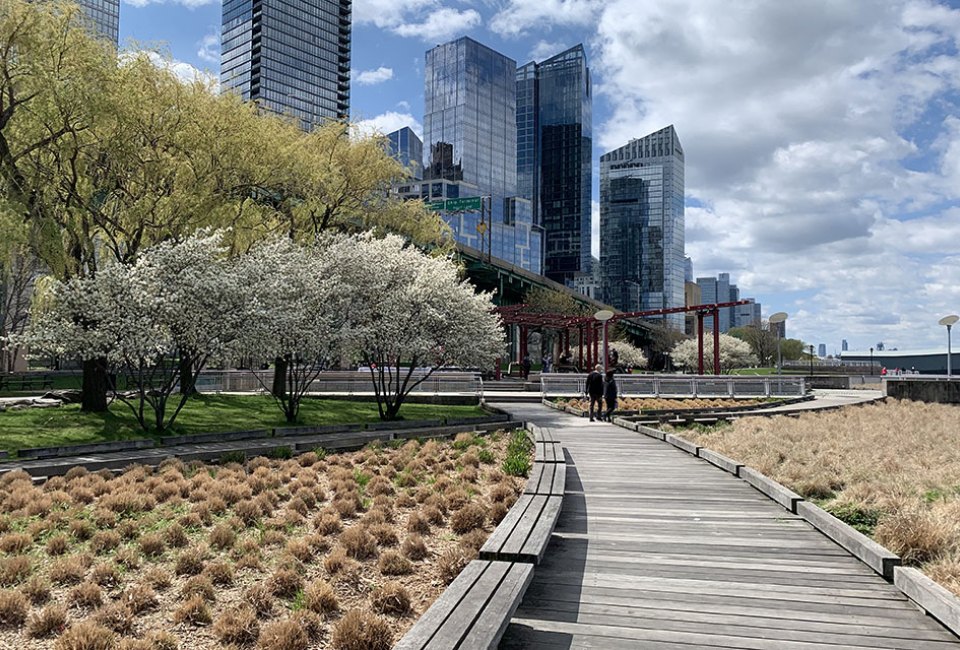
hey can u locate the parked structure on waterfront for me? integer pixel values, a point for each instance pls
(290, 56)
(554, 159)
(642, 224)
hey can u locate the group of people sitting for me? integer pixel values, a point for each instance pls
(602, 388)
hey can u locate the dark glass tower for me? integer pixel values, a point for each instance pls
(641, 224)
(291, 56)
(405, 146)
(554, 155)
(470, 148)
(105, 16)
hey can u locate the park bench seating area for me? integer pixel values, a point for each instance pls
(474, 611)
(27, 382)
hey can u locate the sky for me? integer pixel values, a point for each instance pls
(822, 138)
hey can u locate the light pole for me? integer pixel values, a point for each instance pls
(604, 316)
(871, 361)
(948, 322)
(811, 360)
(777, 319)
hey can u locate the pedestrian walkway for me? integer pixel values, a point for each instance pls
(658, 549)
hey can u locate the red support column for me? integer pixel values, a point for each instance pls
(580, 353)
(523, 343)
(589, 347)
(716, 341)
(700, 342)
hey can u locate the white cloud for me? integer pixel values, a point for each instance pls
(186, 3)
(799, 123)
(403, 105)
(387, 123)
(387, 13)
(545, 49)
(372, 77)
(210, 48)
(184, 71)
(441, 25)
(520, 16)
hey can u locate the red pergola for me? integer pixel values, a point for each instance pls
(589, 328)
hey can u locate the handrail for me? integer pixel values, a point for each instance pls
(338, 382)
(564, 385)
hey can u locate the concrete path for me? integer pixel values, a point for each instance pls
(658, 549)
(828, 398)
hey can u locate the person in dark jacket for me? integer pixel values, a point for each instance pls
(610, 395)
(595, 391)
(525, 367)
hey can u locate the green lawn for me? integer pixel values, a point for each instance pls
(67, 425)
(753, 371)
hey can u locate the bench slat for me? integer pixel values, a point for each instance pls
(420, 634)
(547, 478)
(491, 549)
(536, 544)
(488, 629)
(458, 623)
(548, 452)
(513, 547)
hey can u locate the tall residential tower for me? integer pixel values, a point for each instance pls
(641, 224)
(105, 16)
(554, 158)
(291, 56)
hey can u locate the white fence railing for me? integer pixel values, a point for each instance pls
(338, 382)
(563, 385)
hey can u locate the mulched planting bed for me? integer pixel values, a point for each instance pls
(662, 404)
(344, 551)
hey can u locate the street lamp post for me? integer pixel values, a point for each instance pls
(776, 319)
(948, 322)
(604, 316)
(871, 361)
(811, 360)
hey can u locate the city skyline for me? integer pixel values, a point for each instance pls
(809, 178)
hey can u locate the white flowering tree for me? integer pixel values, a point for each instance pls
(295, 316)
(176, 309)
(734, 353)
(628, 355)
(409, 311)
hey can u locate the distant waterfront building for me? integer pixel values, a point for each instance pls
(747, 315)
(844, 346)
(105, 16)
(470, 150)
(642, 224)
(407, 148)
(290, 56)
(554, 158)
(822, 350)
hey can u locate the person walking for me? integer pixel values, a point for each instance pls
(548, 363)
(610, 395)
(595, 391)
(525, 367)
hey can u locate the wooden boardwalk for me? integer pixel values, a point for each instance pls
(658, 549)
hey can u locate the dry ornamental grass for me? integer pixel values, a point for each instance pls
(891, 470)
(299, 553)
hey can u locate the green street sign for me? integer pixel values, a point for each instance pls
(464, 205)
(436, 206)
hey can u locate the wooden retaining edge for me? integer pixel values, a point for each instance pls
(865, 549)
(929, 596)
(682, 444)
(721, 461)
(782, 495)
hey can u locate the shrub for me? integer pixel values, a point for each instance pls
(67, 571)
(285, 583)
(285, 634)
(358, 543)
(139, 598)
(13, 608)
(49, 621)
(198, 586)
(391, 598)
(87, 594)
(320, 597)
(451, 562)
(392, 563)
(116, 617)
(152, 545)
(222, 537)
(190, 561)
(470, 517)
(85, 635)
(359, 630)
(414, 547)
(260, 597)
(58, 545)
(220, 573)
(237, 625)
(14, 570)
(104, 541)
(193, 611)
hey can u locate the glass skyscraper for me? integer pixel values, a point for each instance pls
(642, 224)
(554, 158)
(405, 146)
(105, 16)
(470, 149)
(291, 56)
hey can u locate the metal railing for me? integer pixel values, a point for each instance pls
(338, 382)
(563, 385)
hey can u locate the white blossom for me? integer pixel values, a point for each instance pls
(734, 353)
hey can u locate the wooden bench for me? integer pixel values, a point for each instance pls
(474, 611)
(524, 533)
(25, 382)
(548, 452)
(547, 478)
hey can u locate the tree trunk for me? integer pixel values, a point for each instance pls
(94, 390)
(279, 377)
(187, 379)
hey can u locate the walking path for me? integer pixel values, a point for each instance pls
(658, 549)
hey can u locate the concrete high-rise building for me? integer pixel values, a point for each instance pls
(642, 224)
(747, 315)
(554, 158)
(290, 56)
(406, 147)
(470, 149)
(844, 346)
(105, 16)
(687, 269)
(822, 350)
